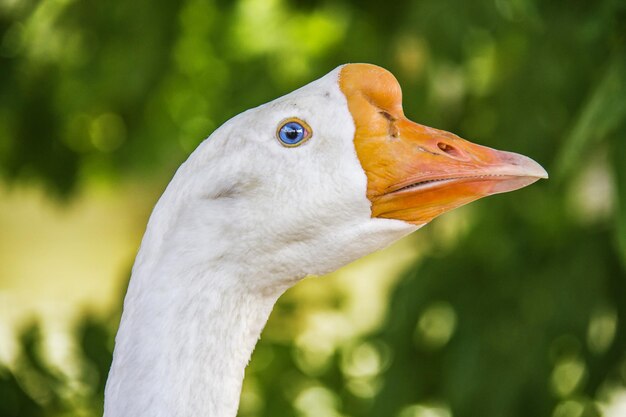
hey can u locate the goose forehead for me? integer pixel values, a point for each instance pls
(321, 105)
(316, 99)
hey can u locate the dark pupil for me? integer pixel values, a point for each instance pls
(292, 133)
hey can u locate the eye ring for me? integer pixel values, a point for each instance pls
(293, 132)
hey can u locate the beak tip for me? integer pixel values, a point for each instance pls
(521, 171)
(527, 167)
(539, 171)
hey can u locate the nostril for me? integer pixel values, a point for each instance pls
(449, 149)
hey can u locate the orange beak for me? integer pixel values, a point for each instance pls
(415, 172)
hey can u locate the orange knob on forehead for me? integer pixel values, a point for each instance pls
(373, 84)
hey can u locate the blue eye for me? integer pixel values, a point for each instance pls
(293, 132)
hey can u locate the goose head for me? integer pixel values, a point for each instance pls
(329, 173)
(299, 186)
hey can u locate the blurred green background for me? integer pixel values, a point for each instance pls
(512, 306)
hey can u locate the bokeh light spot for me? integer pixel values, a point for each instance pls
(361, 360)
(107, 132)
(601, 330)
(317, 401)
(426, 410)
(567, 376)
(569, 408)
(435, 326)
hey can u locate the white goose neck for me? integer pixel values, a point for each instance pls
(183, 351)
(189, 325)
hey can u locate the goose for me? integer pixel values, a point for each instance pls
(298, 186)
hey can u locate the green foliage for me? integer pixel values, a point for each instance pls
(39, 389)
(523, 315)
